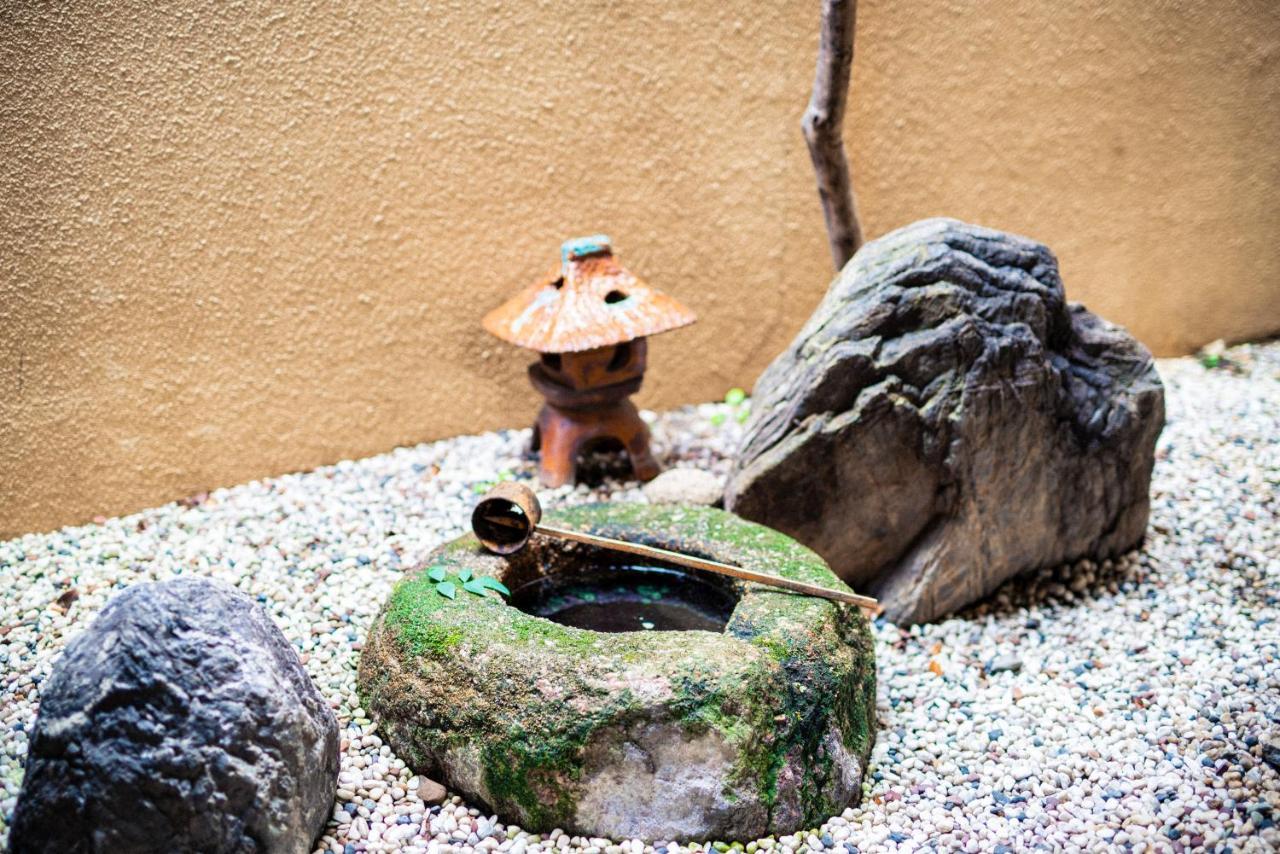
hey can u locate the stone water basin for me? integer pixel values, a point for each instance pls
(619, 700)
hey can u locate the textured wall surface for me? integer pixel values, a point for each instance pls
(238, 239)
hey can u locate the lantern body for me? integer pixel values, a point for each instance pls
(602, 366)
(589, 318)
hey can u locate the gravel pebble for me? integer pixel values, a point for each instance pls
(685, 485)
(1142, 714)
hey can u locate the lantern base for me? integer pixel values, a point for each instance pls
(561, 435)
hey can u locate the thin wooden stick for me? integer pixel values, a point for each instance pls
(655, 553)
(823, 126)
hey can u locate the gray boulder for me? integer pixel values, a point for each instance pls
(180, 720)
(946, 419)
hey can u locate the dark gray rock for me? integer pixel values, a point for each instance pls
(180, 720)
(946, 420)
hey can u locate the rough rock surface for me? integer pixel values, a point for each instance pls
(180, 720)
(1271, 748)
(667, 735)
(685, 486)
(946, 420)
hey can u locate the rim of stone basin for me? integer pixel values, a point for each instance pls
(762, 728)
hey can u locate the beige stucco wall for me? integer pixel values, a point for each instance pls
(241, 239)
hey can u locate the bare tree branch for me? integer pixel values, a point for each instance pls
(823, 129)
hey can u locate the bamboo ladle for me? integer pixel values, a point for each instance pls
(509, 514)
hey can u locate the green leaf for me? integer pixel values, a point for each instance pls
(474, 586)
(743, 414)
(717, 419)
(446, 589)
(464, 575)
(436, 573)
(735, 396)
(482, 487)
(1211, 360)
(494, 584)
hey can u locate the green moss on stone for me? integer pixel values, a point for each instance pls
(411, 612)
(531, 770)
(776, 648)
(553, 634)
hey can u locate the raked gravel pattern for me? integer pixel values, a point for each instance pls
(1126, 706)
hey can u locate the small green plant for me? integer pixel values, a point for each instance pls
(479, 586)
(736, 398)
(1213, 355)
(483, 486)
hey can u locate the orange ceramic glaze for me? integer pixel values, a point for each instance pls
(587, 301)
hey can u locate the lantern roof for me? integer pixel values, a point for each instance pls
(586, 301)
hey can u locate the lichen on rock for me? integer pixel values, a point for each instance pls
(655, 735)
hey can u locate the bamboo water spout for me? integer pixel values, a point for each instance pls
(509, 515)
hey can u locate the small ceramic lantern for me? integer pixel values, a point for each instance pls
(588, 318)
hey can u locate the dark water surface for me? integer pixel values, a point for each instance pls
(628, 599)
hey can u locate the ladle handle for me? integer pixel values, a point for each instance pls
(864, 602)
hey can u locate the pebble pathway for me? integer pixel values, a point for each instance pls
(1131, 705)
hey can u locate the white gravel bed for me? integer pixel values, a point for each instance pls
(1122, 706)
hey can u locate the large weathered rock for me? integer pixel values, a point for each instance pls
(665, 735)
(946, 420)
(181, 720)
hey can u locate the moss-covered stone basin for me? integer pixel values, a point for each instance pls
(761, 729)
